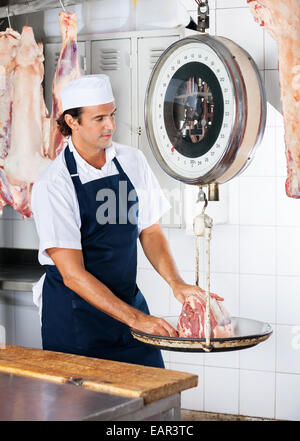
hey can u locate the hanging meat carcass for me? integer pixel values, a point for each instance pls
(9, 40)
(28, 136)
(67, 69)
(191, 322)
(25, 160)
(282, 21)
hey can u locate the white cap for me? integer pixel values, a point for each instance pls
(88, 90)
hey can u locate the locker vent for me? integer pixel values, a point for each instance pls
(154, 56)
(109, 59)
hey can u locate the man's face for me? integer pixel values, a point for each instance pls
(97, 125)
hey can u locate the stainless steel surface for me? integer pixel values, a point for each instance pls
(166, 409)
(19, 269)
(247, 333)
(28, 399)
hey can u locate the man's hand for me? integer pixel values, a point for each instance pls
(153, 325)
(182, 290)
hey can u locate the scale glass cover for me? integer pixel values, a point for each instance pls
(205, 109)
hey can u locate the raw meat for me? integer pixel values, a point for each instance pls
(25, 160)
(29, 138)
(67, 69)
(45, 125)
(9, 41)
(191, 322)
(282, 21)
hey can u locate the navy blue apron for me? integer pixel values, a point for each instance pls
(71, 324)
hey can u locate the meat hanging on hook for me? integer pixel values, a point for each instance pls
(62, 5)
(281, 20)
(8, 18)
(25, 160)
(67, 69)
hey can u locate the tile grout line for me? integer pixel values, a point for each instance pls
(235, 273)
(276, 296)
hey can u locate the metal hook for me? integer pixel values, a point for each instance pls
(27, 3)
(203, 15)
(62, 5)
(202, 198)
(7, 11)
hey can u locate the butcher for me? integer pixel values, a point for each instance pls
(90, 206)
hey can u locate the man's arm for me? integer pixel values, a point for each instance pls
(70, 264)
(156, 249)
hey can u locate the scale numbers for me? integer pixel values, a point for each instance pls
(173, 156)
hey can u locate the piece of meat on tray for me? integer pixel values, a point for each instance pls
(191, 322)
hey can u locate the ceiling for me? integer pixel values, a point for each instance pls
(11, 2)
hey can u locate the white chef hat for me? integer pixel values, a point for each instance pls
(88, 90)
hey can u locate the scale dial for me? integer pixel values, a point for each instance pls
(205, 109)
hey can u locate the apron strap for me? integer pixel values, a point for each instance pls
(119, 168)
(70, 161)
(72, 167)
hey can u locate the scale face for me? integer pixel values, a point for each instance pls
(200, 108)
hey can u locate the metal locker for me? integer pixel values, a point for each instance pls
(149, 50)
(112, 57)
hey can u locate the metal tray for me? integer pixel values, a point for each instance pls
(247, 333)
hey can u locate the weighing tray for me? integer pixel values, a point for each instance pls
(247, 333)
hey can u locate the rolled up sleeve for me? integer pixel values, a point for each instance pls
(55, 218)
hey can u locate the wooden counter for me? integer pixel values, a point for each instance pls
(122, 379)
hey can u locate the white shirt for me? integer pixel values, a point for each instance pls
(55, 206)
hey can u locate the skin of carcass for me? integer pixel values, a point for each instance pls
(282, 21)
(9, 40)
(67, 69)
(25, 161)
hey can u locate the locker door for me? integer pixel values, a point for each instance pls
(51, 52)
(149, 50)
(112, 57)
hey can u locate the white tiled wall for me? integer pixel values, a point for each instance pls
(255, 261)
